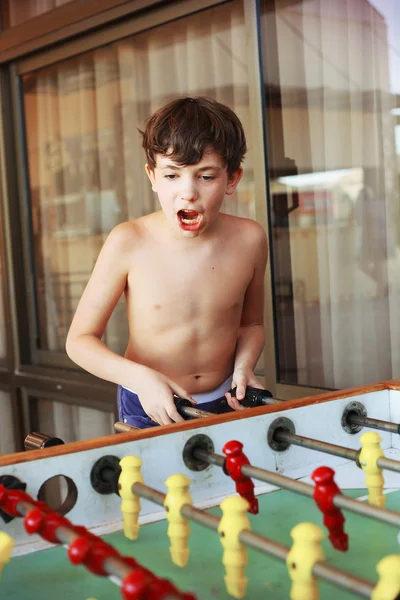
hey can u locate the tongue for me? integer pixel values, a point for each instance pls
(189, 214)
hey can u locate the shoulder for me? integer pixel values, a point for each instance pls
(125, 236)
(247, 230)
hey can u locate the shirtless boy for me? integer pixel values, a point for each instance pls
(193, 277)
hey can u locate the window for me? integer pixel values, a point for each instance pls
(3, 339)
(332, 73)
(7, 441)
(86, 164)
(71, 422)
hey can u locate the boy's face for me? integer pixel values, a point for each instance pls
(191, 196)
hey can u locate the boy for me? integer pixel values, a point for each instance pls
(193, 277)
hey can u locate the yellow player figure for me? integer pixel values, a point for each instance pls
(178, 528)
(388, 586)
(234, 520)
(130, 505)
(301, 558)
(370, 452)
(6, 546)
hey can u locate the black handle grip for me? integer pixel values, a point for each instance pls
(254, 397)
(181, 403)
(38, 441)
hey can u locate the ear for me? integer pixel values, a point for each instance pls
(233, 181)
(150, 175)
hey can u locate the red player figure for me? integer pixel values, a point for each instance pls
(324, 493)
(162, 589)
(45, 522)
(141, 584)
(92, 552)
(235, 459)
(134, 585)
(10, 498)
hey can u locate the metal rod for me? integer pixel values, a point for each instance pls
(333, 575)
(268, 401)
(65, 535)
(209, 457)
(282, 435)
(355, 419)
(186, 411)
(195, 413)
(389, 464)
(124, 427)
(188, 511)
(305, 489)
(339, 578)
(148, 493)
(189, 412)
(349, 582)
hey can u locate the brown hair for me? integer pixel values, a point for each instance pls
(185, 128)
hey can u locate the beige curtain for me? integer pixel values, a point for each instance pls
(3, 340)
(86, 160)
(7, 441)
(72, 422)
(338, 125)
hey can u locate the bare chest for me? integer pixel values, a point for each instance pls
(187, 285)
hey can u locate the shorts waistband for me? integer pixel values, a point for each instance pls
(215, 394)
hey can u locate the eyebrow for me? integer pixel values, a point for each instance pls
(206, 168)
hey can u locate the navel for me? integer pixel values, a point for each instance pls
(197, 376)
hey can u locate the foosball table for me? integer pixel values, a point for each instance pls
(298, 499)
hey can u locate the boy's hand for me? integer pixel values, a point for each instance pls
(240, 380)
(156, 396)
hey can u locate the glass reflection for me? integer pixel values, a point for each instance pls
(8, 443)
(332, 73)
(3, 337)
(86, 163)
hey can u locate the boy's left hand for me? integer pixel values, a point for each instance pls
(240, 380)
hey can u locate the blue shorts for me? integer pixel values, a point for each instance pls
(131, 411)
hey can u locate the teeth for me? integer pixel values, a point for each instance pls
(190, 220)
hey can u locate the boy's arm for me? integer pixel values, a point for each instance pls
(105, 287)
(84, 345)
(250, 342)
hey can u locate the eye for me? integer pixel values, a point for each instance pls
(208, 177)
(170, 176)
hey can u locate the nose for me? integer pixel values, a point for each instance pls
(189, 191)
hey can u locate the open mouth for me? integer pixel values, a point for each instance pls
(189, 219)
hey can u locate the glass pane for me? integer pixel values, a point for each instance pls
(72, 423)
(332, 74)
(86, 163)
(3, 339)
(8, 443)
(14, 12)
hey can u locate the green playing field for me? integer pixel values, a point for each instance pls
(47, 575)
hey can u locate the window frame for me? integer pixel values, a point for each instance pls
(29, 356)
(63, 23)
(133, 25)
(63, 33)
